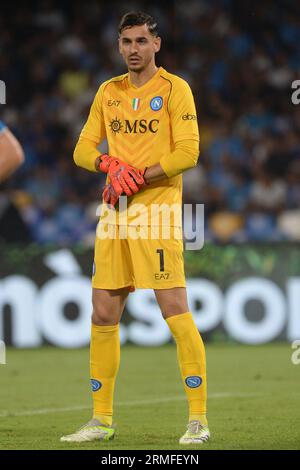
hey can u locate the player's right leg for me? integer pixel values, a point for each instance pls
(112, 281)
(108, 306)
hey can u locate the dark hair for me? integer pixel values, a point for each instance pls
(139, 18)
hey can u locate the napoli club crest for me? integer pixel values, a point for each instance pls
(156, 103)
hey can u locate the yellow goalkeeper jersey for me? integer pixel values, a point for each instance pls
(142, 125)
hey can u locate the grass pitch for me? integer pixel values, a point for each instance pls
(254, 398)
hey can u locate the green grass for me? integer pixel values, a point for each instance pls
(254, 398)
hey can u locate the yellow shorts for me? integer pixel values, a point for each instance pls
(142, 263)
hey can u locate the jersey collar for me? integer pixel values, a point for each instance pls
(152, 79)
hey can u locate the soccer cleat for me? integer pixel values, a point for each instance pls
(196, 434)
(91, 431)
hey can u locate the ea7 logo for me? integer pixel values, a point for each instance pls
(113, 102)
(141, 126)
(161, 276)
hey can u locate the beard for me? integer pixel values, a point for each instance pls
(140, 66)
(136, 67)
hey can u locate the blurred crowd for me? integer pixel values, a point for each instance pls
(240, 59)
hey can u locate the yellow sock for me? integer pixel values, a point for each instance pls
(192, 363)
(104, 366)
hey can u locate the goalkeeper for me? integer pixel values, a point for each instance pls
(149, 119)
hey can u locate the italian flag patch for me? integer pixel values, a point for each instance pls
(135, 103)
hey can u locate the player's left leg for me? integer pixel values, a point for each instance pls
(191, 358)
(159, 266)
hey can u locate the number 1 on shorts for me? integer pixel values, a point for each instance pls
(161, 259)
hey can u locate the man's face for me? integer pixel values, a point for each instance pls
(138, 47)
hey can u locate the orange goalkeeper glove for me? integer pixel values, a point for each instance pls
(109, 195)
(123, 177)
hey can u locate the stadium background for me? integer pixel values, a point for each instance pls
(240, 59)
